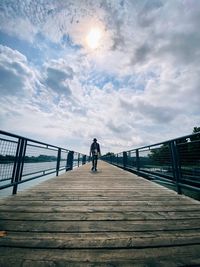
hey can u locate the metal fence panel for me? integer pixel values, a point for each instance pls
(23, 159)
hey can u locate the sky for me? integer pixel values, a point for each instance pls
(126, 72)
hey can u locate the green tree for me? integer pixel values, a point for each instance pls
(160, 155)
(197, 136)
(193, 149)
(110, 154)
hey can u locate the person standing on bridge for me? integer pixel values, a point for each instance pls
(95, 152)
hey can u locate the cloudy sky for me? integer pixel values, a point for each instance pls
(126, 72)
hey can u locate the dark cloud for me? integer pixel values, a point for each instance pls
(155, 112)
(57, 79)
(142, 53)
(118, 128)
(182, 47)
(11, 83)
(152, 5)
(159, 114)
(118, 40)
(124, 104)
(148, 14)
(60, 74)
(115, 23)
(174, 40)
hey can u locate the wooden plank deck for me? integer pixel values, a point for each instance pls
(108, 218)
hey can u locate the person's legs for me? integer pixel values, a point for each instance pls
(95, 162)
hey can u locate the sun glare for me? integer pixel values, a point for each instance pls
(93, 38)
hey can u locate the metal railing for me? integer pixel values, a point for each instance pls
(174, 163)
(23, 159)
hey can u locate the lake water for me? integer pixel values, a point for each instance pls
(29, 168)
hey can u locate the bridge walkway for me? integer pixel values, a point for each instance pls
(108, 218)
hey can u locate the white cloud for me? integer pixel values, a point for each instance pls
(17, 77)
(149, 57)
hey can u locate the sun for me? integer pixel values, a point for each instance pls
(93, 38)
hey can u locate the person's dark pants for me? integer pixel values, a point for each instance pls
(94, 162)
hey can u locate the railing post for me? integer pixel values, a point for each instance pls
(114, 159)
(175, 165)
(19, 163)
(83, 159)
(70, 159)
(137, 160)
(78, 158)
(58, 161)
(124, 159)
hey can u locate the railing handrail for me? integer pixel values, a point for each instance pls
(35, 141)
(161, 143)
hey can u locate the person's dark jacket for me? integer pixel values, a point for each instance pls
(95, 149)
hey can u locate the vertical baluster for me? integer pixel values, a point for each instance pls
(58, 161)
(124, 159)
(175, 165)
(19, 163)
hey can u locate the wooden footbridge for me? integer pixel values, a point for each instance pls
(108, 218)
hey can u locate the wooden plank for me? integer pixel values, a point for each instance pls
(113, 203)
(98, 226)
(90, 198)
(100, 216)
(111, 208)
(171, 256)
(99, 240)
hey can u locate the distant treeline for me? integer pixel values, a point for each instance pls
(31, 159)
